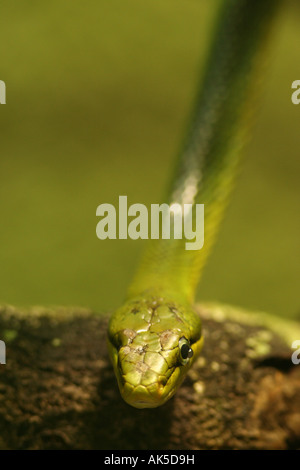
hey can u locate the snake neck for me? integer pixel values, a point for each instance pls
(208, 162)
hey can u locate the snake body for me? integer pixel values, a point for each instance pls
(154, 338)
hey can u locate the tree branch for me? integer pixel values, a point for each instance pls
(58, 391)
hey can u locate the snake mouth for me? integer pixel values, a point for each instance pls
(140, 397)
(140, 404)
(151, 395)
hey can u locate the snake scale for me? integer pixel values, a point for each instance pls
(155, 337)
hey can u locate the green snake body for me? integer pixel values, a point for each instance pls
(156, 335)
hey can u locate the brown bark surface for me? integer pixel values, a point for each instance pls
(58, 391)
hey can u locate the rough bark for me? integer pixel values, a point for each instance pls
(58, 391)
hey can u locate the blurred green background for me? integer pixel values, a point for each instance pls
(98, 96)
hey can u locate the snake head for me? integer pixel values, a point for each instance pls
(152, 344)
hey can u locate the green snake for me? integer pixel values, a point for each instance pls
(155, 337)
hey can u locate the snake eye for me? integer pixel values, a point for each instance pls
(186, 351)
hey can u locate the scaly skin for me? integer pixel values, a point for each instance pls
(145, 337)
(155, 337)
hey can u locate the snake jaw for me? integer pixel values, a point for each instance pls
(142, 396)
